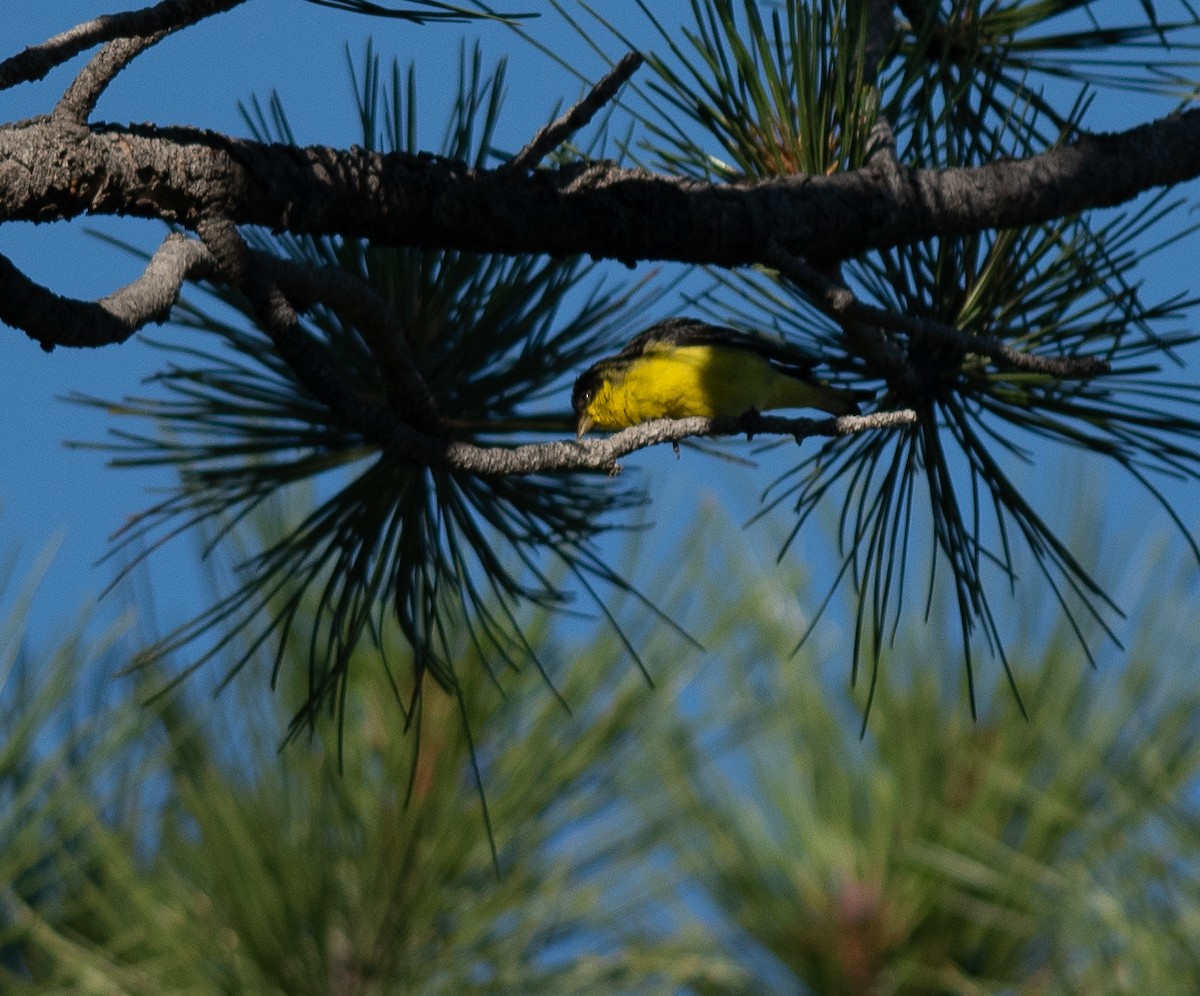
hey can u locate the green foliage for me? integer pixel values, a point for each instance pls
(775, 99)
(950, 856)
(963, 64)
(939, 853)
(1061, 290)
(779, 100)
(172, 848)
(727, 834)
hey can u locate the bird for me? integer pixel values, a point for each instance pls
(681, 367)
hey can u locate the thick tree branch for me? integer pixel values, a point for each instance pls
(37, 60)
(50, 171)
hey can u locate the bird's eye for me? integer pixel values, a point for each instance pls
(587, 397)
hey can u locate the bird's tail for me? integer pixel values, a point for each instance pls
(794, 392)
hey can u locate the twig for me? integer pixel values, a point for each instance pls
(602, 454)
(881, 150)
(80, 98)
(37, 60)
(53, 320)
(551, 136)
(881, 29)
(839, 302)
(452, 15)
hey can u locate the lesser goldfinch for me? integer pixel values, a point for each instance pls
(682, 367)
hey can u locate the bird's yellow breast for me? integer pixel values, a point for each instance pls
(679, 382)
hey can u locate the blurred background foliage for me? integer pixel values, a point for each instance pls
(726, 832)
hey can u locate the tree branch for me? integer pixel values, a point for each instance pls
(37, 60)
(85, 90)
(309, 359)
(554, 134)
(358, 303)
(52, 320)
(839, 302)
(881, 29)
(602, 454)
(48, 171)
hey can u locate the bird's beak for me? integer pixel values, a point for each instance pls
(585, 422)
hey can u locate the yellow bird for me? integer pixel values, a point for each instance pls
(682, 367)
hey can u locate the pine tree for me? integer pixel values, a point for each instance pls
(893, 188)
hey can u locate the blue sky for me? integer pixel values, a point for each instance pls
(197, 78)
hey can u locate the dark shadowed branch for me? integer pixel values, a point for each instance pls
(181, 175)
(839, 302)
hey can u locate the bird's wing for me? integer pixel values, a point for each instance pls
(676, 332)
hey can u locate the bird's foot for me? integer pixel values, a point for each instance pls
(751, 422)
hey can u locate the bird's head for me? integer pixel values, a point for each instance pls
(584, 393)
